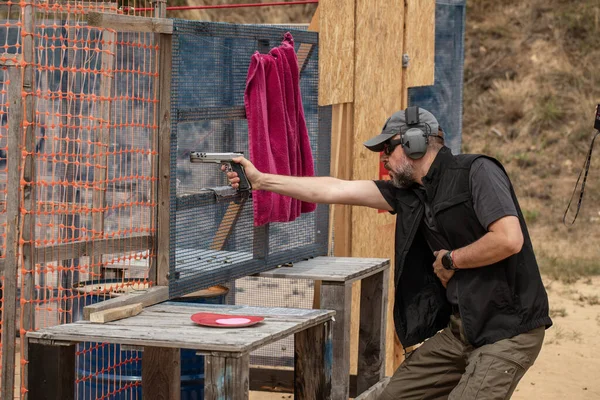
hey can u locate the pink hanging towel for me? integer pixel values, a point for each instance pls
(277, 132)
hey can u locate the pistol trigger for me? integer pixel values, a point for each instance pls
(228, 167)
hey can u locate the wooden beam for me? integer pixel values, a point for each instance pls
(338, 297)
(116, 313)
(226, 377)
(373, 328)
(161, 373)
(234, 210)
(9, 286)
(130, 23)
(149, 297)
(28, 179)
(342, 142)
(160, 11)
(336, 51)
(313, 363)
(163, 246)
(378, 94)
(51, 371)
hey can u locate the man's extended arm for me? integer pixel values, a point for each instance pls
(326, 190)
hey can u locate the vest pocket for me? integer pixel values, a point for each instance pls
(444, 204)
(502, 295)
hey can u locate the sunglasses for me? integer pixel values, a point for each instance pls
(390, 146)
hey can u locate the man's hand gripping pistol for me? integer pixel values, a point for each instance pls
(227, 160)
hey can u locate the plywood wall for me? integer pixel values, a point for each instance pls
(378, 94)
(419, 40)
(336, 52)
(361, 47)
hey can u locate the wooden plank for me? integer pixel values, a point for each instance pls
(116, 313)
(373, 328)
(161, 373)
(338, 297)
(378, 89)
(341, 128)
(160, 11)
(160, 8)
(419, 42)
(354, 326)
(378, 94)
(342, 218)
(394, 353)
(9, 286)
(149, 297)
(226, 378)
(336, 51)
(232, 214)
(161, 274)
(313, 362)
(375, 391)
(100, 148)
(170, 325)
(332, 269)
(28, 178)
(130, 23)
(52, 372)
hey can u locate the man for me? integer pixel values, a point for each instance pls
(464, 261)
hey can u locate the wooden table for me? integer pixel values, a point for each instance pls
(337, 275)
(162, 330)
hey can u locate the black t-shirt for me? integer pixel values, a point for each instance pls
(490, 191)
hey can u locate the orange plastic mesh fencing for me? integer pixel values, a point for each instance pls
(88, 135)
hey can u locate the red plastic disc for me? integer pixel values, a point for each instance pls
(225, 320)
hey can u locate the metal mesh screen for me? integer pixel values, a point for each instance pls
(445, 98)
(212, 234)
(274, 292)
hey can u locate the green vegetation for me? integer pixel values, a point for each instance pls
(531, 88)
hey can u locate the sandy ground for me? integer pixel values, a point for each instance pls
(568, 366)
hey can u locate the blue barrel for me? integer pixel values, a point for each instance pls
(110, 372)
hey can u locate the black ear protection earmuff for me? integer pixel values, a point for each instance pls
(416, 137)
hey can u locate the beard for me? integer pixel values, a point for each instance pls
(402, 178)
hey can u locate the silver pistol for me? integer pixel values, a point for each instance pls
(224, 159)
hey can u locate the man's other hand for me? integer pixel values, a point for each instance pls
(438, 268)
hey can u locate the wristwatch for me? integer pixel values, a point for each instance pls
(447, 261)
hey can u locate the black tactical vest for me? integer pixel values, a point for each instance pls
(497, 301)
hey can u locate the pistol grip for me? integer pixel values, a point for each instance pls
(244, 182)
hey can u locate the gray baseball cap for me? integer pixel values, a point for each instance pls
(397, 124)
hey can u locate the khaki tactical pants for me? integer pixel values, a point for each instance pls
(447, 367)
